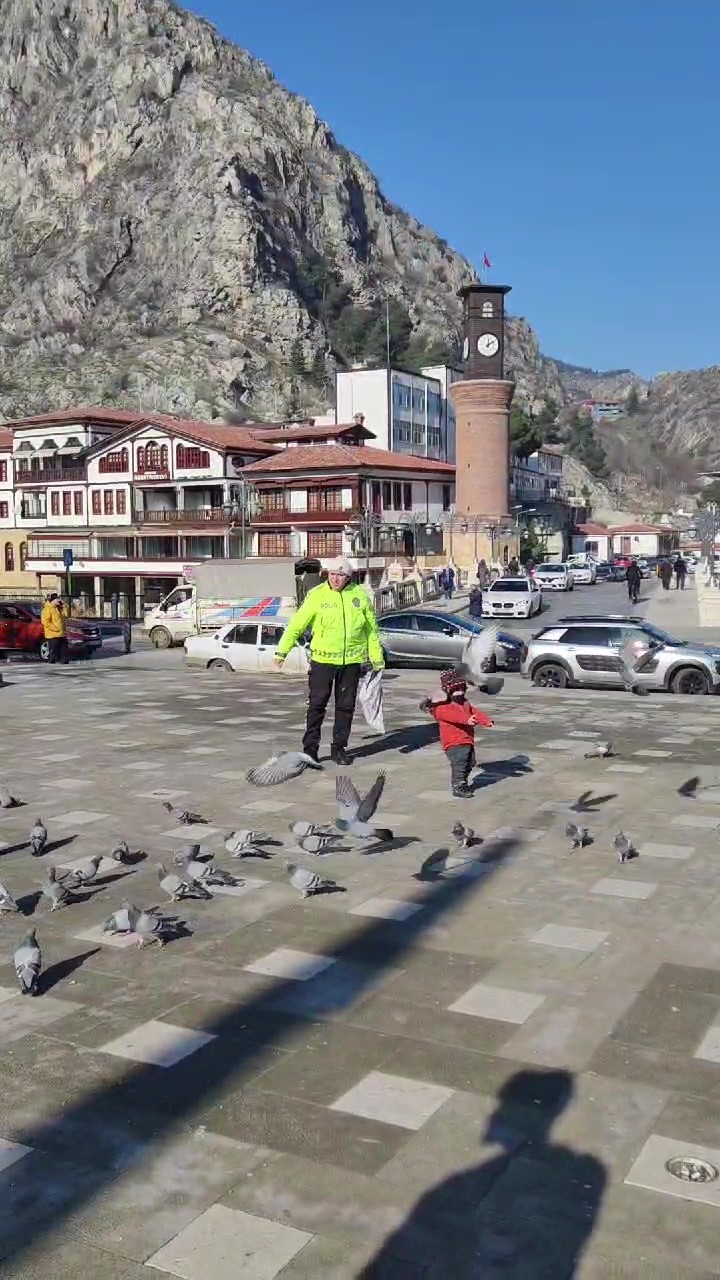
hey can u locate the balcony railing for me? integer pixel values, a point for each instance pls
(283, 515)
(50, 475)
(152, 473)
(185, 515)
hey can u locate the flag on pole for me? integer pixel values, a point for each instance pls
(486, 262)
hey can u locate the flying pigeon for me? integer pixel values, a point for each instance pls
(632, 659)
(578, 836)
(353, 812)
(465, 836)
(247, 844)
(177, 887)
(7, 801)
(183, 815)
(28, 962)
(120, 851)
(207, 873)
(433, 866)
(123, 920)
(38, 838)
(7, 902)
(83, 873)
(600, 751)
(312, 829)
(625, 847)
(316, 844)
(477, 657)
(308, 882)
(689, 789)
(281, 766)
(55, 892)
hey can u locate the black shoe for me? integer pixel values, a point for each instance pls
(312, 752)
(339, 755)
(463, 792)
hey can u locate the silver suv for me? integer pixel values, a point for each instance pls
(585, 651)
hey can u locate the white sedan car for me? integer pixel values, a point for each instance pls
(512, 598)
(555, 577)
(244, 646)
(585, 574)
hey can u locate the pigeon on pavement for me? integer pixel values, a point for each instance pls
(281, 766)
(308, 882)
(316, 844)
(28, 963)
(599, 751)
(625, 847)
(433, 866)
(7, 902)
(123, 920)
(632, 659)
(150, 928)
(177, 887)
(245, 844)
(312, 829)
(578, 836)
(82, 873)
(479, 655)
(7, 800)
(464, 836)
(207, 873)
(183, 815)
(353, 812)
(56, 892)
(120, 851)
(38, 838)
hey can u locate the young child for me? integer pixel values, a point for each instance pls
(457, 719)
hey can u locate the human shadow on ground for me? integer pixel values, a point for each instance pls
(412, 738)
(50, 977)
(528, 1211)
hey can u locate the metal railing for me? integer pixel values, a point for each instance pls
(50, 475)
(183, 515)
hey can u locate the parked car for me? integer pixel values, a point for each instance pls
(585, 574)
(21, 631)
(606, 572)
(244, 646)
(555, 577)
(431, 638)
(585, 650)
(512, 598)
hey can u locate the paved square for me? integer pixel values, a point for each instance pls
(561, 935)
(393, 1099)
(386, 909)
(609, 887)
(680, 852)
(709, 1047)
(286, 963)
(650, 1169)
(156, 1043)
(483, 1001)
(227, 1244)
(11, 1152)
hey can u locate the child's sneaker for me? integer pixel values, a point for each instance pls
(462, 792)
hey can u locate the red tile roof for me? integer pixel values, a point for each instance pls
(281, 434)
(600, 530)
(345, 457)
(59, 417)
(640, 528)
(6, 439)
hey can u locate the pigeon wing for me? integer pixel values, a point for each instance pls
(279, 768)
(478, 651)
(347, 798)
(369, 803)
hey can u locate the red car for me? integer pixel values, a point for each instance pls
(21, 631)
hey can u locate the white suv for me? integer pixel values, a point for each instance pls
(511, 598)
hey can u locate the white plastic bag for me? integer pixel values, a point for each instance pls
(370, 697)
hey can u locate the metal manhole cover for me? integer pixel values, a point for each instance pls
(692, 1169)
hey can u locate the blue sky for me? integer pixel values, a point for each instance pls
(573, 140)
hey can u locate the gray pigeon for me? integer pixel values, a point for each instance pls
(633, 656)
(123, 920)
(353, 812)
(281, 767)
(578, 836)
(120, 851)
(83, 873)
(625, 847)
(312, 829)
(7, 801)
(316, 844)
(307, 882)
(478, 657)
(465, 836)
(150, 928)
(38, 838)
(177, 887)
(207, 873)
(599, 751)
(433, 866)
(247, 844)
(186, 851)
(28, 963)
(183, 815)
(7, 902)
(56, 892)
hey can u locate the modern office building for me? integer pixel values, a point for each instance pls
(407, 412)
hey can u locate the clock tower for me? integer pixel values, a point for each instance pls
(482, 401)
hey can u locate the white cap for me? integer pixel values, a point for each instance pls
(340, 565)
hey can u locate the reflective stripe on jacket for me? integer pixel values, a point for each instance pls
(343, 625)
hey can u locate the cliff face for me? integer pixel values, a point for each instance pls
(594, 384)
(173, 224)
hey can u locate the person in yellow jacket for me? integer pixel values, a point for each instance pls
(345, 636)
(53, 624)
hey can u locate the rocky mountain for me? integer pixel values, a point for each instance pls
(177, 230)
(594, 384)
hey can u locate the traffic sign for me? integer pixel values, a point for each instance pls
(67, 557)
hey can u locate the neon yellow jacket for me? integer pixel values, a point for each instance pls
(53, 621)
(343, 624)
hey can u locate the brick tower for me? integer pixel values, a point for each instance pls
(482, 411)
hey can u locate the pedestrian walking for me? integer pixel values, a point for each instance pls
(633, 579)
(457, 719)
(343, 637)
(483, 575)
(513, 568)
(475, 601)
(448, 578)
(680, 573)
(666, 573)
(52, 618)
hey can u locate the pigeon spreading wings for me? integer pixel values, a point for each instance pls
(632, 658)
(354, 811)
(281, 767)
(478, 659)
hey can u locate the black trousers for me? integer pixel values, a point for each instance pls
(462, 760)
(323, 680)
(58, 647)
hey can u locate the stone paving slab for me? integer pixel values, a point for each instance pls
(412, 1077)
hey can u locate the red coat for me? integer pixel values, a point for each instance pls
(456, 727)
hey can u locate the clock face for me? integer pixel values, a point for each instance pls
(466, 348)
(487, 344)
